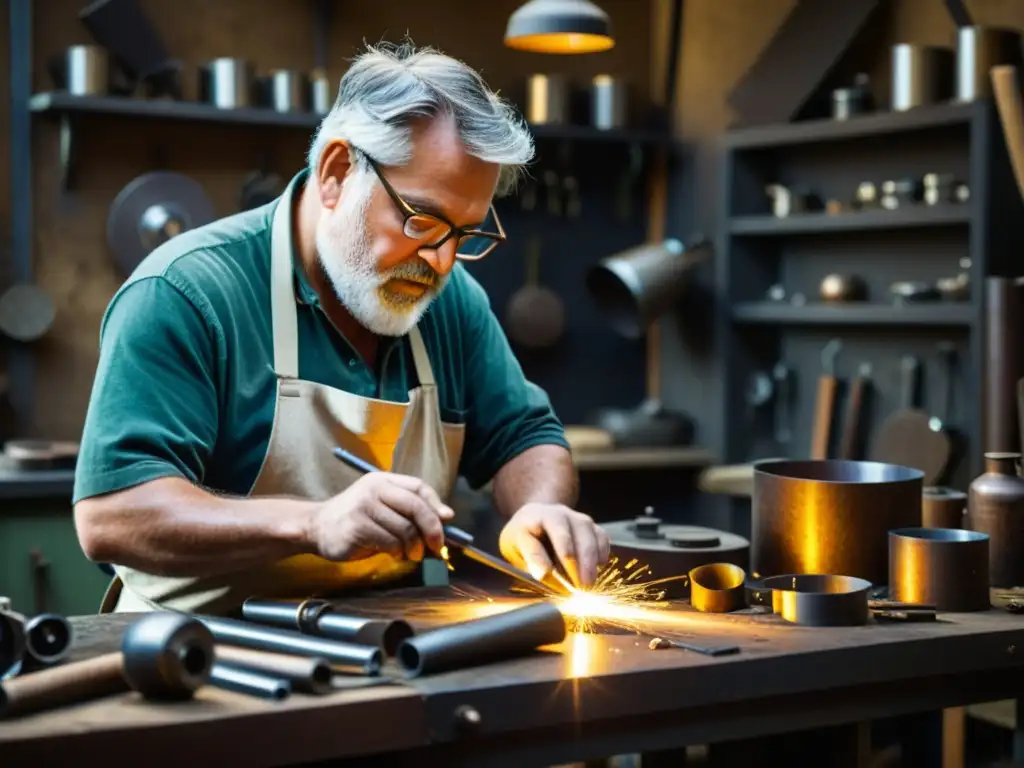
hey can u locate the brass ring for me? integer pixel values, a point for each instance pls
(718, 588)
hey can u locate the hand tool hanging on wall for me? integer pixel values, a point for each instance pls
(149, 211)
(783, 375)
(534, 315)
(851, 441)
(906, 437)
(948, 355)
(825, 404)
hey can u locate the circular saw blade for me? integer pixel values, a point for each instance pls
(180, 196)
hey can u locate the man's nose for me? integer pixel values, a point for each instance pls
(441, 259)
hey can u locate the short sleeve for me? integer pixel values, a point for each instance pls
(506, 413)
(153, 411)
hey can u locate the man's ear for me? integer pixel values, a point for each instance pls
(336, 162)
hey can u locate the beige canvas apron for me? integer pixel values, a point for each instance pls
(309, 420)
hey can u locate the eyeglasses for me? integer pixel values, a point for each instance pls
(434, 230)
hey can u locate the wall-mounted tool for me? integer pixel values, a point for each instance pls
(783, 376)
(825, 404)
(842, 288)
(856, 99)
(149, 211)
(906, 437)
(534, 315)
(855, 421)
(788, 201)
(921, 74)
(759, 393)
(949, 357)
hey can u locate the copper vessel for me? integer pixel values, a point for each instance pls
(995, 506)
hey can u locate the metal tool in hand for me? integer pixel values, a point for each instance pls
(460, 539)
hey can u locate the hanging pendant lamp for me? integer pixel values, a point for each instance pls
(559, 26)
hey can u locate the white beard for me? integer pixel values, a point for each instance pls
(343, 249)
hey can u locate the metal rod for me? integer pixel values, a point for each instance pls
(502, 636)
(319, 617)
(239, 680)
(307, 674)
(348, 658)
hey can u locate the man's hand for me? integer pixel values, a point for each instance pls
(580, 545)
(380, 512)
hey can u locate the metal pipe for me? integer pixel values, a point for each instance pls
(308, 674)
(48, 638)
(239, 680)
(318, 617)
(170, 657)
(348, 658)
(502, 636)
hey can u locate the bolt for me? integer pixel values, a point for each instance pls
(467, 718)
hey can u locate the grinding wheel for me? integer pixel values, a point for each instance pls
(149, 211)
(26, 312)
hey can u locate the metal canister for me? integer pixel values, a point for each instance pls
(286, 91)
(319, 92)
(226, 83)
(86, 70)
(607, 102)
(921, 74)
(547, 100)
(978, 49)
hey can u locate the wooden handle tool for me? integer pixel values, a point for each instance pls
(824, 410)
(851, 440)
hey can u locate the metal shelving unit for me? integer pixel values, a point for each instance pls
(913, 242)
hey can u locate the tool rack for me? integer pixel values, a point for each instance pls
(913, 242)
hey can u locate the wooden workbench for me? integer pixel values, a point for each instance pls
(590, 697)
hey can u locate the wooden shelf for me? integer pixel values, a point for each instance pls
(939, 314)
(864, 126)
(642, 458)
(58, 103)
(877, 219)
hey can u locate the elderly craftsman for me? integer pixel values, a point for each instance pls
(240, 354)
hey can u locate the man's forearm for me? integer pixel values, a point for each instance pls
(543, 474)
(169, 527)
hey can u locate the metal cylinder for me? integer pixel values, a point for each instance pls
(943, 508)
(226, 83)
(921, 75)
(249, 682)
(320, 100)
(939, 566)
(547, 100)
(305, 674)
(286, 91)
(48, 638)
(344, 657)
(978, 49)
(996, 507)
(493, 638)
(820, 600)
(167, 655)
(1004, 362)
(86, 70)
(718, 588)
(635, 287)
(830, 516)
(608, 105)
(318, 617)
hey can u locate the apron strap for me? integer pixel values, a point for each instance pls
(282, 289)
(420, 359)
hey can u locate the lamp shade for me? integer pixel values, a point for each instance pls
(559, 26)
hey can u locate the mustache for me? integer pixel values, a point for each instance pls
(416, 271)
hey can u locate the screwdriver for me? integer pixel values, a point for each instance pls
(459, 539)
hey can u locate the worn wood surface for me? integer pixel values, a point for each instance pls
(588, 678)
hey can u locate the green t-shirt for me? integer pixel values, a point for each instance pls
(185, 383)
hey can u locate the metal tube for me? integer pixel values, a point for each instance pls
(308, 674)
(48, 638)
(318, 617)
(947, 568)
(505, 635)
(167, 655)
(718, 588)
(343, 657)
(239, 680)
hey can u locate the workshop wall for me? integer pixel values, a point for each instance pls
(71, 260)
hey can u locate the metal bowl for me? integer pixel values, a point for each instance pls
(820, 600)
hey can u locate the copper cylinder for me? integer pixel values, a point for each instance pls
(943, 508)
(996, 507)
(1004, 355)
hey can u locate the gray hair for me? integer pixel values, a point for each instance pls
(389, 86)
